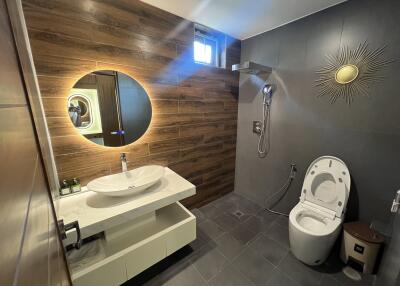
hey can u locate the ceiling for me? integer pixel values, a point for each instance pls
(243, 19)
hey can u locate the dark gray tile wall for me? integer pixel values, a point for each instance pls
(366, 135)
(389, 271)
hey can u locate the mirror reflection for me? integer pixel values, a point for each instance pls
(109, 108)
(79, 111)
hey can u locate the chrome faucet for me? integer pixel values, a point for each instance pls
(123, 162)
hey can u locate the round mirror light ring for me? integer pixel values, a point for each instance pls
(89, 108)
(346, 74)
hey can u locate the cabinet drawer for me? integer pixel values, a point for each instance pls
(111, 273)
(130, 248)
(182, 233)
(145, 256)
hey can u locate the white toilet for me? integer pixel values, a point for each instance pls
(315, 222)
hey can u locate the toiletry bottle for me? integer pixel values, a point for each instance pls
(64, 189)
(76, 185)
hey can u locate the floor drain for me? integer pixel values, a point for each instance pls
(238, 214)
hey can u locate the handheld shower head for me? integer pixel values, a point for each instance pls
(267, 92)
(263, 140)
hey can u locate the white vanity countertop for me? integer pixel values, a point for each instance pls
(96, 213)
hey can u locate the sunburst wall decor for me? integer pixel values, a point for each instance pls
(350, 72)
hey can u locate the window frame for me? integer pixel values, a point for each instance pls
(202, 36)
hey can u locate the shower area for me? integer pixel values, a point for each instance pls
(302, 126)
(262, 128)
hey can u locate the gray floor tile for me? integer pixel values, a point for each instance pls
(327, 280)
(280, 279)
(333, 263)
(261, 222)
(182, 273)
(201, 239)
(278, 233)
(200, 217)
(366, 280)
(226, 222)
(229, 246)
(235, 204)
(210, 211)
(254, 266)
(243, 234)
(305, 275)
(248, 207)
(208, 261)
(282, 221)
(270, 249)
(233, 198)
(225, 204)
(210, 229)
(230, 277)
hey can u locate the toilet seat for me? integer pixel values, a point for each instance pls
(326, 185)
(313, 222)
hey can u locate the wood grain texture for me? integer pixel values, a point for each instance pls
(31, 249)
(193, 129)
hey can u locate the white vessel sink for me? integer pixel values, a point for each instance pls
(127, 183)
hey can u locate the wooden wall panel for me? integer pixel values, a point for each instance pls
(193, 129)
(27, 216)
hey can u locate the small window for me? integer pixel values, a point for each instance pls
(205, 47)
(205, 50)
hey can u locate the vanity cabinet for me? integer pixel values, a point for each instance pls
(127, 249)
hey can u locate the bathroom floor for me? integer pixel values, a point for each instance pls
(240, 244)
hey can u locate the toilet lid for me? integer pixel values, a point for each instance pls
(327, 184)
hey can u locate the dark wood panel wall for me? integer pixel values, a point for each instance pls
(31, 252)
(193, 129)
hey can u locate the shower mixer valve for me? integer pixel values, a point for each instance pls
(257, 126)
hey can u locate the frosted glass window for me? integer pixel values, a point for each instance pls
(202, 53)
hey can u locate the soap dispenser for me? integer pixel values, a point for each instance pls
(76, 185)
(64, 189)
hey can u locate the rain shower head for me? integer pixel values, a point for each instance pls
(251, 68)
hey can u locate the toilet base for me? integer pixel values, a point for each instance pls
(311, 250)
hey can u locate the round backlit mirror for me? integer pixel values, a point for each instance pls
(109, 108)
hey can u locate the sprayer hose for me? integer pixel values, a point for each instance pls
(263, 142)
(283, 190)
